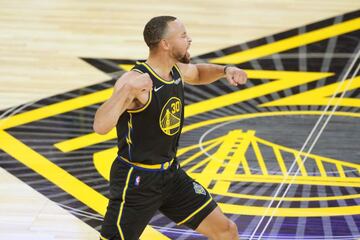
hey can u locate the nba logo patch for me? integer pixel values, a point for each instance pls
(199, 189)
(137, 181)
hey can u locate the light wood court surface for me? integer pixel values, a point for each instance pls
(41, 43)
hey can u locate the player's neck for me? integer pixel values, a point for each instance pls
(162, 65)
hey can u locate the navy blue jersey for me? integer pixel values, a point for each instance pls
(150, 134)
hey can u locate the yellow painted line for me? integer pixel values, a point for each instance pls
(237, 159)
(61, 178)
(321, 96)
(217, 159)
(103, 161)
(297, 199)
(84, 141)
(320, 165)
(94, 138)
(280, 80)
(53, 173)
(199, 153)
(263, 114)
(80, 142)
(55, 109)
(244, 164)
(313, 156)
(289, 212)
(152, 234)
(340, 170)
(259, 157)
(280, 160)
(309, 180)
(192, 147)
(199, 164)
(289, 43)
(297, 78)
(277, 148)
(126, 67)
(301, 165)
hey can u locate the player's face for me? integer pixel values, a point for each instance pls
(179, 41)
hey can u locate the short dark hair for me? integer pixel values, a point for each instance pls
(155, 29)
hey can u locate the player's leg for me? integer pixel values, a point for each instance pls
(133, 201)
(217, 226)
(191, 204)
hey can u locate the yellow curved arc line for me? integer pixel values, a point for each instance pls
(192, 147)
(289, 212)
(263, 114)
(299, 199)
(93, 138)
(305, 180)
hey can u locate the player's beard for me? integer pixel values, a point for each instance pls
(182, 57)
(185, 58)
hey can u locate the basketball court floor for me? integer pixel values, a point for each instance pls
(280, 155)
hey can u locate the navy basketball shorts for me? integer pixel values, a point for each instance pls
(137, 193)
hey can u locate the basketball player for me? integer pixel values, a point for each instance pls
(147, 108)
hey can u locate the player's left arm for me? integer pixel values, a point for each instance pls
(205, 73)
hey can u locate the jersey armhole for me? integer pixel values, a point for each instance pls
(137, 110)
(137, 70)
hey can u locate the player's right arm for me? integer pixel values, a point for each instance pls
(128, 90)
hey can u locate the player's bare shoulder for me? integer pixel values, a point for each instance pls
(125, 78)
(138, 84)
(134, 81)
(188, 71)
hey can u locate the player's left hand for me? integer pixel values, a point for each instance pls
(235, 76)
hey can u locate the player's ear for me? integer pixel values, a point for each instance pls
(164, 44)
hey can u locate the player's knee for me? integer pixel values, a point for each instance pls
(227, 231)
(233, 230)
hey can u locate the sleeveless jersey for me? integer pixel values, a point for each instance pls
(150, 134)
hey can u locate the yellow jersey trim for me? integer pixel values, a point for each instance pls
(164, 165)
(198, 210)
(143, 107)
(137, 70)
(103, 238)
(156, 75)
(180, 73)
(123, 202)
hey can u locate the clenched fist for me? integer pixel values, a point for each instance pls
(235, 76)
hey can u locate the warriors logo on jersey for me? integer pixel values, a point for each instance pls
(170, 117)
